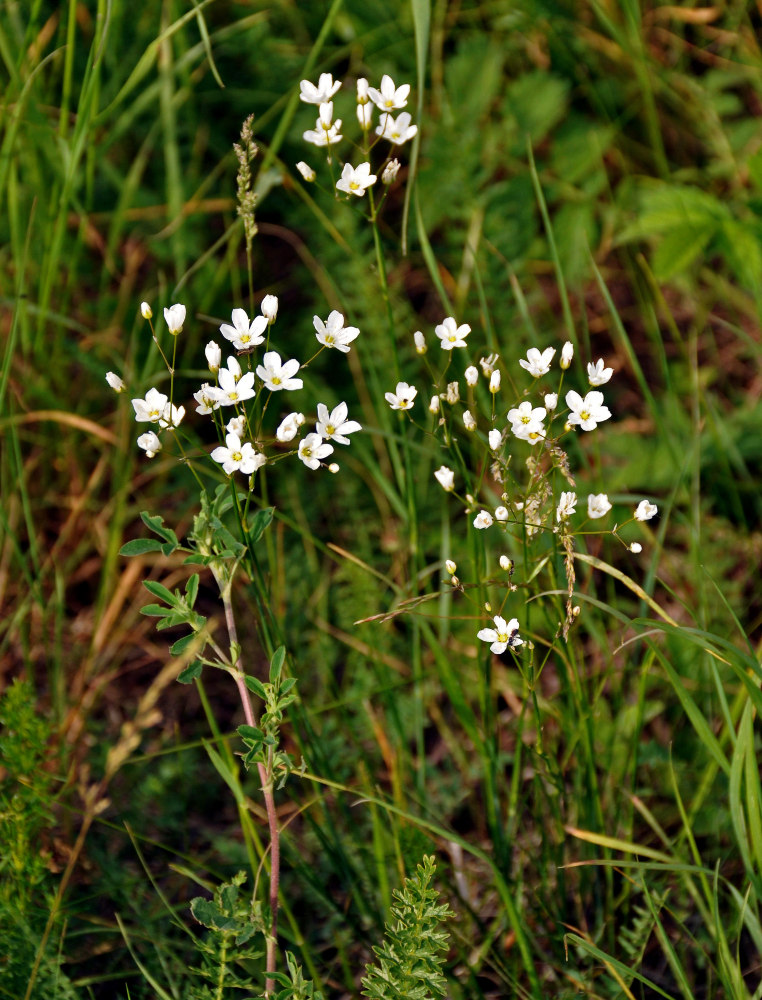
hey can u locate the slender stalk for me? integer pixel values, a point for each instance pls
(266, 777)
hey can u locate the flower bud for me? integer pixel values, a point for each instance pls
(420, 342)
(269, 307)
(567, 353)
(362, 91)
(434, 404)
(636, 547)
(506, 563)
(495, 438)
(306, 171)
(174, 317)
(494, 381)
(453, 393)
(145, 310)
(213, 356)
(468, 421)
(333, 467)
(115, 382)
(551, 400)
(501, 514)
(365, 116)
(450, 566)
(446, 478)
(390, 171)
(472, 375)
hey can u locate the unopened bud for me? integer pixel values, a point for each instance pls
(145, 310)
(420, 342)
(334, 467)
(450, 566)
(567, 353)
(306, 171)
(472, 375)
(494, 381)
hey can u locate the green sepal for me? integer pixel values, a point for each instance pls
(191, 672)
(139, 547)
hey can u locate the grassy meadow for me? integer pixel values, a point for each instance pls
(584, 172)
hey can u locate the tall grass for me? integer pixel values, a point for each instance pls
(581, 172)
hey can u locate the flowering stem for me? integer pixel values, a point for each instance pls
(266, 777)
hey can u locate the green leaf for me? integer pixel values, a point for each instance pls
(139, 547)
(287, 685)
(191, 672)
(206, 912)
(276, 664)
(153, 610)
(678, 250)
(256, 686)
(259, 524)
(160, 591)
(537, 101)
(250, 733)
(169, 547)
(182, 644)
(191, 589)
(156, 524)
(196, 559)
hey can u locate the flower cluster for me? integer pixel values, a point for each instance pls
(249, 394)
(394, 129)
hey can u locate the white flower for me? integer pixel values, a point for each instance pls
(598, 374)
(172, 416)
(236, 425)
(238, 457)
(288, 428)
(566, 506)
(453, 393)
(483, 519)
(501, 514)
(277, 375)
(174, 317)
(488, 364)
(451, 335)
(306, 171)
(388, 97)
(420, 342)
(495, 438)
(269, 308)
(598, 505)
(116, 383)
(450, 566)
(587, 412)
(434, 404)
(506, 563)
(494, 382)
(524, 417)
(312, 450)
(396, 131)
(233, 387)
(333, 333)
(468, 421)
(244, 334)
(390, 171)
(213, 356)
(402, 397)
(355, 180)
(150, 443)
(145, 310)
(551, 401)
(645, 510)
(445, 477)
(472, 375)
(634, 547)
(150, 409)
(324, 91)
(538, 364)
(365, 116)
(334, 425)
(326, 131)
(207, 399)
(567, 353)
(503, 635)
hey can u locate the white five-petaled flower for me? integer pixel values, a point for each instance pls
(306, 171)
(645, 510)
(566, 506)
(598, 505)
(598, 374)
(451, 335)
(402, 397)
(587, 412)
(172, 416)
(397, 130)
(503, 635)
(213, 356)
(537, 362)
(312, 449)
(567, 353)
(279, 375)
(333, 333)
(237, 457)
(150, 443)
(326, 132)
(233, 387)
(388, 97)
(269, 308)
(483, 519)
(334, 426)
(150, 409)
(116, 383)
(355, 180)
(495, 438)
(446, 478)
(174, 317)
(526, 422)
(288, 428)
(324, 91)
(244, 334)
(207, 399)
